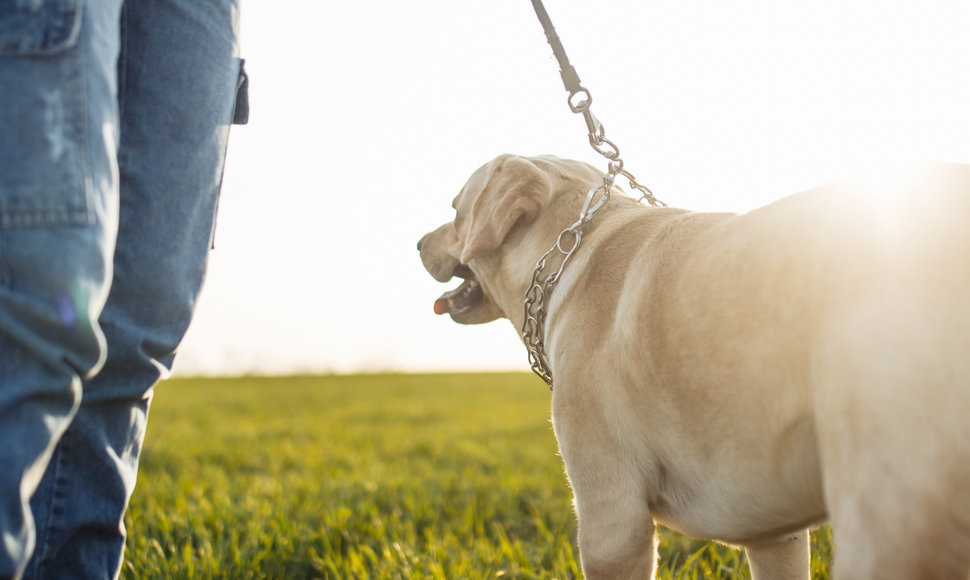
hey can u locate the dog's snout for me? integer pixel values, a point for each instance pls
(421, 241)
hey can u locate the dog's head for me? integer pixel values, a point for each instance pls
(500, 200)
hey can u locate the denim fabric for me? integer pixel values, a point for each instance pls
(114, 120)
(58, 218)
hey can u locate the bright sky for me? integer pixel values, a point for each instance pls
(368, 117)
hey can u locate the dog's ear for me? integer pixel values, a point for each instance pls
(507, 191)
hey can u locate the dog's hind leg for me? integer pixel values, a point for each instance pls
(782, 558)
(894, 393)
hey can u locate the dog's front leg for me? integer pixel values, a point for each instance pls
(616, 531)
(782, 558)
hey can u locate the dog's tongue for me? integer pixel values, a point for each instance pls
(441, 305)
(456, 299)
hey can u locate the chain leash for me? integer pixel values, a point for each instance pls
(546, 273)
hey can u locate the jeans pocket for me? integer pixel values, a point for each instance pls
(43, 178)
(36, 27)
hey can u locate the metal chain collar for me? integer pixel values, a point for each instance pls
(545, 276)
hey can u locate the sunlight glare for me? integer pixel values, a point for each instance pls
(886, 180)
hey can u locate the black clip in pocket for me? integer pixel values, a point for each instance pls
(240, 115)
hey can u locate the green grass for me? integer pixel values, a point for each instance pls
(372, 476)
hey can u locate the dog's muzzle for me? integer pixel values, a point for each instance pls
(464, 297)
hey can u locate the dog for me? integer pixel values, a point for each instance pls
(742, 378)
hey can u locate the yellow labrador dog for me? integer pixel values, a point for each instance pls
(743, 377)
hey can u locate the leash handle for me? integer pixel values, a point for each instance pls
(579, 102)
(570, 78)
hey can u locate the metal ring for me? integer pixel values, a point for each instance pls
(576, 237)
(597, 144)
(582, 105)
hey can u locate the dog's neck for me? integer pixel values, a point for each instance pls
(507, 273)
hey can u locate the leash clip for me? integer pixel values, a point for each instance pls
(579, 101)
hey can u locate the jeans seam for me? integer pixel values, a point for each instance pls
(87, 179)
(122, 69)
(5, 274)
(54, 508)
(215, 210)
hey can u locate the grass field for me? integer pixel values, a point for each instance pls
(371, 476)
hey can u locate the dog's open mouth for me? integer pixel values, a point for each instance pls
(462, 298)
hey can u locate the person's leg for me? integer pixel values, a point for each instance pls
(58, 217)
(178, 76)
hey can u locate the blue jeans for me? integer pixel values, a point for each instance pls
(114, 120)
